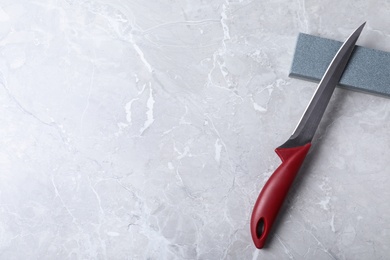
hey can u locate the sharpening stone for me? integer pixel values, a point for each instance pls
(368, 70)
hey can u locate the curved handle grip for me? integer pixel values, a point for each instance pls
(274, 192)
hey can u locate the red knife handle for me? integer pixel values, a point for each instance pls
(274, 192)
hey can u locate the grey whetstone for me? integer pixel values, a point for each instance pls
(368, 69)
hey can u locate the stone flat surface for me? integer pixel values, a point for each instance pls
(367, 70)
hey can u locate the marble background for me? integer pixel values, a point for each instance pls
(135, 129)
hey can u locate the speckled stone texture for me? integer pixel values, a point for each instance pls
(367, 70)
(139, 129)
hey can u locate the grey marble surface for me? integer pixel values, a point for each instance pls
(145, 130)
